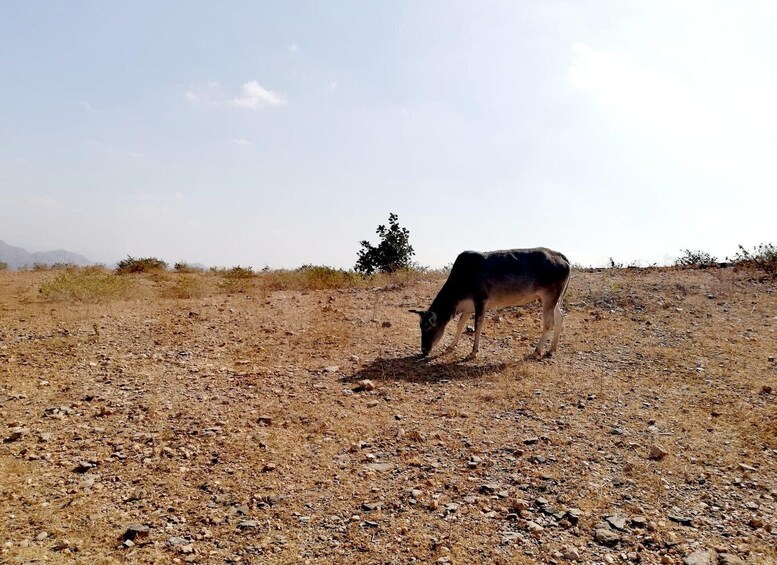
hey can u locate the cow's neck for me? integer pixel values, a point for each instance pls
(444, 305)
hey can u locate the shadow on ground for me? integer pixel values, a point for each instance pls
(419, 369)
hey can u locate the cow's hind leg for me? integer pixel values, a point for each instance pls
(480, 317)
(558, 322)
(547, 326)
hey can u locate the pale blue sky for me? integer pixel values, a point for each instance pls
(283, 133)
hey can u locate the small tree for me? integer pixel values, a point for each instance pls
(392, 253)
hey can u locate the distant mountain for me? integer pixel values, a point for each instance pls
(17, 257)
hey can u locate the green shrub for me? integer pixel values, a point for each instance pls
(763, 257)
(391, 254)
(140, 265)
(691, 258)
(84, 285)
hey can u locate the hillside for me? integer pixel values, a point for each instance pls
(16, 257)
(190, 420)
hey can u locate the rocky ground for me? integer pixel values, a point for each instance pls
(298, 426)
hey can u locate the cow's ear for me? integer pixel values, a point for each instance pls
(419, 312)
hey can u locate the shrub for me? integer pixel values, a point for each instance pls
(691, 258)
(185, 286)
(3, 266)
(763, 257)
(140, 265)
(183, 267)
(84, 285)
(391, 254)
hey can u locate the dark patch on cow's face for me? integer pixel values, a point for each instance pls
(431, 331)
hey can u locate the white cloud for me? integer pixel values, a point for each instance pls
(253, 95)
(241, 141)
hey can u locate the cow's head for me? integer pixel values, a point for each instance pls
(431, 330)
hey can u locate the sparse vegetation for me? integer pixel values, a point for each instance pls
(3, 266)
(391, 254)
(90, 284)
(183, 267)
(184, 286)
(690, 258)
(140, 265)
(762, 257)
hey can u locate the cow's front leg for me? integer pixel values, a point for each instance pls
(459, 330)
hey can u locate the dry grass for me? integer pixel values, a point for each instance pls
(167, 387)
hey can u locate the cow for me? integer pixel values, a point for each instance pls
(496, 279)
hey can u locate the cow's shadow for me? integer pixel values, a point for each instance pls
(421, 369)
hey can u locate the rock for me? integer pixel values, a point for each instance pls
(268, 467)
(380, 466)
(489, 488)
(264, 420)
(730, 559)
(617, 522)
(756, 522)
(83, 466)
(451, 507)
(657, 453)
(570, 553)
(700, 557)
(248, 524)
(364, 385)
(766, 389)
(683, 520)
(135, 532)
(177, 541)
(534, 527)
(386, 324)
(331, 369)
(16, 434)
(638, 522)
(605, 536)
(372, 506)
(531, 440)
(61, 545)
(746, 467)
(41, 536)
(518, 504)
(574, 515)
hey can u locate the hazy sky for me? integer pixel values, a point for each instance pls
(282, 133)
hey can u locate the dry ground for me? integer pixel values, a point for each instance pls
(228, 425)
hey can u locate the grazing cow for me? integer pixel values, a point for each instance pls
(479, 281)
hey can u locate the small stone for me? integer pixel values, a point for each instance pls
(570, 553)
(372, 506)
(83, 467)
(331, 369)
(380, 466)
(756, 522)
(746, 467)
(386, 324)
(16, 434)
(364, 385)
(518, 504)
(730, 559)
(248, 524)
(264, 420)
(268, 467)
(489, 488)
(632, 556)
(451, 507)
(700, 557)
(531, 440)
(766, 389)
(617, 522)
(638, 522)
(657, 453)
(135, 531)
(605, 536)
(682, 520)
(177, 541)
(41, 536)
(574, 515)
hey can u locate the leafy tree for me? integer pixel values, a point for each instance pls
(391, 254)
